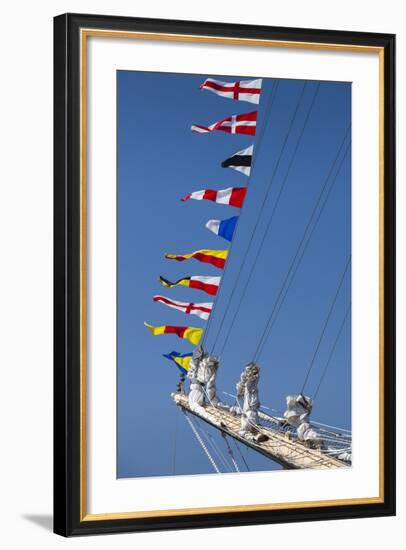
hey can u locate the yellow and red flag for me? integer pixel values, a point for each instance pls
(214, 257)
(192, 334)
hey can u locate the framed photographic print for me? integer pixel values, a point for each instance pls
(224, 274)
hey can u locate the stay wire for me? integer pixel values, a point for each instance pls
(326, 323)
(210, 440)
(242, 265)
(332, 351)
(230, 452)
(256, 149)
(275, 317)
(299, 254)
(241, 454)
(266, 115)
(253, 265)
(201, 442)
(174, 445)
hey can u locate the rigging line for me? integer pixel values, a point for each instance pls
(230, 452)
(220, 451)
(257, 145)
(210, 440)
(340, 436)
(240, 453)
(200, 441)
(209, 443)
(339, 447)
(267, 112)
(326, 323)
(228, 446)
(174, 445)
(337, 442)
(329, 426)
(264, 237)
(260, 211)
(295, 270)
(277, 306)
(269, 324)
(332, 351)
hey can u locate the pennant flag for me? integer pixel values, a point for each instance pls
(182, 361)
(214, 257)
(188, 333)
(199, 282)
(234, 196)
(244, 90)
(202, 310)
(223, 228)
(234, 124)
(240, 161)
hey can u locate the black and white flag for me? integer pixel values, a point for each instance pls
(240, 161)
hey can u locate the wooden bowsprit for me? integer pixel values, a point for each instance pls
(279, 447)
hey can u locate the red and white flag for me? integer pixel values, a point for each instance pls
(233, 196)
(234, 124)
(202, 310)
(244, 90)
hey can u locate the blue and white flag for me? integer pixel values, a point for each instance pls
(223, 228)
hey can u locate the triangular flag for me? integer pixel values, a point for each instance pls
(241, 161)
(223, 228)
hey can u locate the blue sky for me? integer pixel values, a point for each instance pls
(159, 161)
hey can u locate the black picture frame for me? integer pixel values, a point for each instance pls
(67, 357)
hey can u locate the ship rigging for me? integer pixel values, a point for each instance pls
(290, 437)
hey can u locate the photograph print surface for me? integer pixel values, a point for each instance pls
(233, 274)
